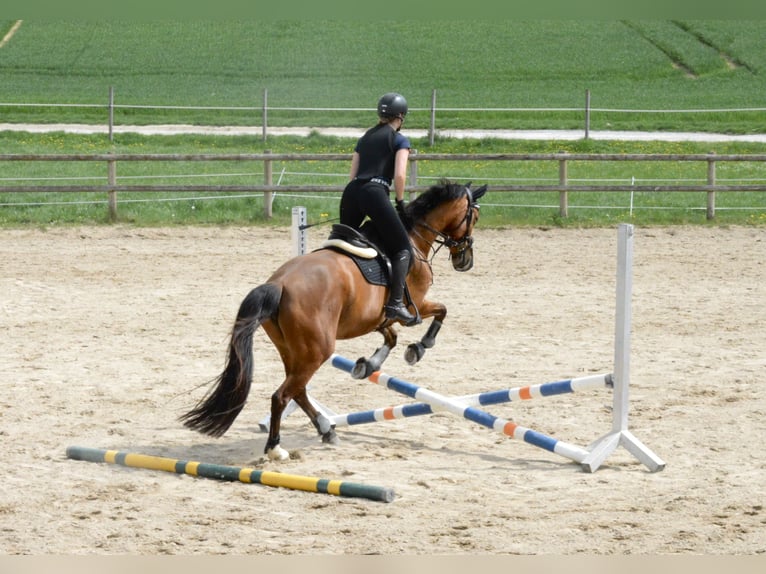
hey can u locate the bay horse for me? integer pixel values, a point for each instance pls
(314, 299)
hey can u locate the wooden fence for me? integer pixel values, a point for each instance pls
(563, 187)
(432, 110)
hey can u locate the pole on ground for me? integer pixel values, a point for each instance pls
(232, 473)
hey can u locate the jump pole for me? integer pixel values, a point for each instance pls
(232, 473)
(479, 399)
(473, 414)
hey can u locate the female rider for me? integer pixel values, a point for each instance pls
(380, 160)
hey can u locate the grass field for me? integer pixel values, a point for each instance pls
(643, 65)
(627, 65)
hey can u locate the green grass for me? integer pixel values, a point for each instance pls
(684, 49)
(341, 64)
(626, 65)
(499, 208)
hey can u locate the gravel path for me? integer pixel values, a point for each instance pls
(562, 135)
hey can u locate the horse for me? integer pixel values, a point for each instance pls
(317, 298)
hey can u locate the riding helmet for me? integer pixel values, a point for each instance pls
(392, 105)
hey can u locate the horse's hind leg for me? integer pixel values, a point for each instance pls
(325, 429)
(293, 387)
(299, 372)
(278, 403)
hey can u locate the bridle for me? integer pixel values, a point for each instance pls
(456, 246)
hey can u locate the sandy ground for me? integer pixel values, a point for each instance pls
(109, 333)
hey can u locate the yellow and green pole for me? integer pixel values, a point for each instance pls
(232, 473)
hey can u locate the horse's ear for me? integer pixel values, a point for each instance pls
(479, 192)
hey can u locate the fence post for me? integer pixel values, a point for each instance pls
(587, 114)
(111, 113)
(413, 172)
(267, 180)
(264, 117)
(432, 128)
(563, 181)
(711, 194)
(299, 235)
(112, 181)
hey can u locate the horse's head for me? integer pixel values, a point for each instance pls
(450, 211)
(461, 250)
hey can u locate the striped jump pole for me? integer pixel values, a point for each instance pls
(479, 399)
(441, 402)
(232, 473)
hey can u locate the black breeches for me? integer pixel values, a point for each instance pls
(371, 200)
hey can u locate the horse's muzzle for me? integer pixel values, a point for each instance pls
(463, 260)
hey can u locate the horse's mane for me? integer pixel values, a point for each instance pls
(430, 199)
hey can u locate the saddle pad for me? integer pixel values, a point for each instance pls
(373, 270)
(364, 252)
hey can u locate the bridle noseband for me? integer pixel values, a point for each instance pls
(456, 246)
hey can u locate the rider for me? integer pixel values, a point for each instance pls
(380, 160)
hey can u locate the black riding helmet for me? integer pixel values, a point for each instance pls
(392, 105)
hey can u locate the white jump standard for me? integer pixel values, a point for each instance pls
(591, 457)
(620, 435)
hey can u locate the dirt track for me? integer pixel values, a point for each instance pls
(108, 333)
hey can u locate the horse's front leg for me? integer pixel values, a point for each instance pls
(365, 367)
(415, 351)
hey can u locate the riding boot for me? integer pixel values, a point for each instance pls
(395, 307)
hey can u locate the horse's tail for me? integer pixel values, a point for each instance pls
(215, 413)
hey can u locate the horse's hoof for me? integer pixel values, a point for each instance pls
(277, 453)
(330, 437)
(414, 353)
(362, 369)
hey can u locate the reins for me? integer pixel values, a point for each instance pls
(442, 239)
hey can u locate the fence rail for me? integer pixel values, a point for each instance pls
(586, 110)
(563, 187)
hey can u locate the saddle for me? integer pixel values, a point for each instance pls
(371, 260)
